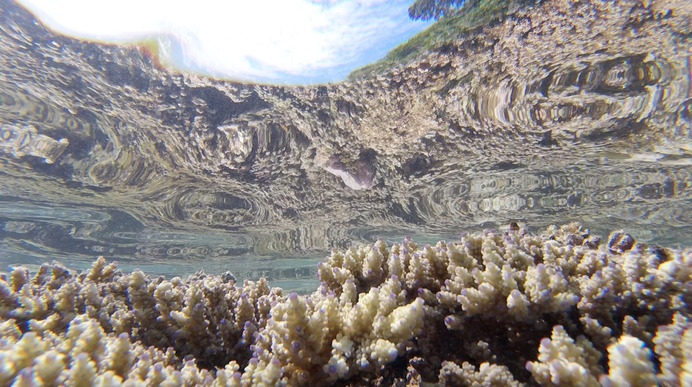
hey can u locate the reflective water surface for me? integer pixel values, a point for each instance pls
(542, 118)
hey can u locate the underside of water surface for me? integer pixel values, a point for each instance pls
(560, 111)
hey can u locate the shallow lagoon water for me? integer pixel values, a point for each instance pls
(535, 119)
(560, 111)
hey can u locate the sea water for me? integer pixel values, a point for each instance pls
(538, 118)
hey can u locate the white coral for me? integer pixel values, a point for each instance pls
(561, 361)
(629, 363)
(368, 311)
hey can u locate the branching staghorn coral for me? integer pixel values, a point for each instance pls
(496, 308)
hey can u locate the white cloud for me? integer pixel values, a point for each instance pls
(284, 41)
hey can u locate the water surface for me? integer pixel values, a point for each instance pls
(540, 119)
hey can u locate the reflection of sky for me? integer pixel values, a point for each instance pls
(276, 41)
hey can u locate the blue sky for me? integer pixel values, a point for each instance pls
(267, 41)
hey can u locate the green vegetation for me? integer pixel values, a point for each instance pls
(443, 32)
(435, 9)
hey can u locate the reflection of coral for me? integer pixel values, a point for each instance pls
(359, 176)
(26, 141)
(492, 309)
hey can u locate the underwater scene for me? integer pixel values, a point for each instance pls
(503, 199)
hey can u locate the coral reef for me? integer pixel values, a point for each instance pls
(495, 308)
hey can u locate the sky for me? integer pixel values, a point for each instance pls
(264, 41)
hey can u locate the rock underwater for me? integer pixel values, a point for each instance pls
(495, 308)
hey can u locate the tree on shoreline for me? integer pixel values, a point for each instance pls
(435, 9)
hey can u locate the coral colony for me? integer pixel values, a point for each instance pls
(497, 308)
